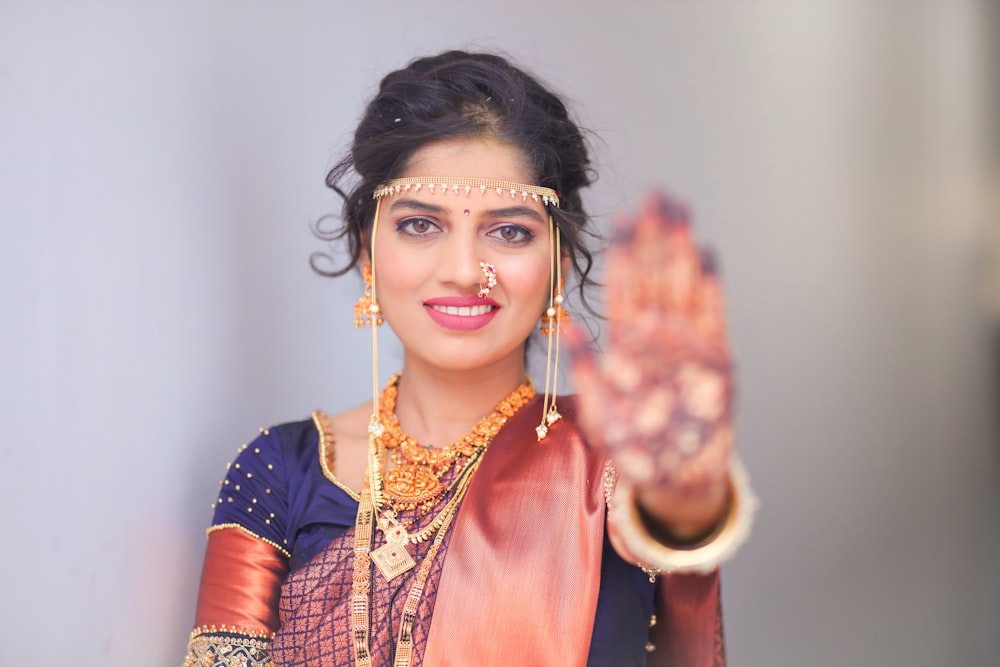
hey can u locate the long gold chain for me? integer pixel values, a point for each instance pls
(361, 584)
(392, 558)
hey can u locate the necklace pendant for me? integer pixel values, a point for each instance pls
(412, 483)
(394, 532)
(392, 560)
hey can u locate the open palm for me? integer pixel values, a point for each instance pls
(659, 399)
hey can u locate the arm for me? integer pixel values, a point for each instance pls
(659, 401)
(237, 613)
(245, 563)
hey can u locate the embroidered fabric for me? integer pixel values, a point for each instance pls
(212, 649)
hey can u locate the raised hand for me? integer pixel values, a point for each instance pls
(660, 399)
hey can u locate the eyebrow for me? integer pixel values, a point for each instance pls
(506, 212)
(516, 211)
(417, 206)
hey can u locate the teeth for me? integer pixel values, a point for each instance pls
(464, 311)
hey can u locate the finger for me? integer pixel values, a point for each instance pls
(710, 315)
(650, 258)
(651, 250)
(678, 262)
(588, 381)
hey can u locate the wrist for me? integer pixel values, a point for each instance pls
(684, 516)
(637, 541)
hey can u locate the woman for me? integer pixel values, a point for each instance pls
(365, 538)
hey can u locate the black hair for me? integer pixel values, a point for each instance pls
(457, 95)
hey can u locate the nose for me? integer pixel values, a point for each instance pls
(458, 263)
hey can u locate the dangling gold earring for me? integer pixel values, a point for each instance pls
(366, 309)
(555, 315)
(558, 312)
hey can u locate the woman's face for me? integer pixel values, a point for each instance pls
(428, 250)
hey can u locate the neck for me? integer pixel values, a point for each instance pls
(438, 406)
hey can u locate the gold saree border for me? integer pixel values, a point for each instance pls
(240, 527)
(326, 455)
(206, 649)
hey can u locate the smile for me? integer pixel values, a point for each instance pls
(464, 311)
(461, 313)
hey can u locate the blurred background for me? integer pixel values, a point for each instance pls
(161, 164)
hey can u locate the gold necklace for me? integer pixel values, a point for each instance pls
(415, 481)
(361, 588)
(392, 559)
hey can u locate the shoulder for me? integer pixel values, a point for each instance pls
(253, 496)
(276, 453)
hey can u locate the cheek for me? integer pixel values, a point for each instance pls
(397, 277)
(528, 283)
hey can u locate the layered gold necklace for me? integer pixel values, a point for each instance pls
(417, 488)
(415, 481)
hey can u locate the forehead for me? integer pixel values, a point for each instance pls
(470, 158)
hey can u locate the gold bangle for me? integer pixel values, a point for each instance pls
(633, 541)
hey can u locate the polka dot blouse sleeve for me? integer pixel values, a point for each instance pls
(253, 497)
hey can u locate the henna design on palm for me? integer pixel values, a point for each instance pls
(660, 399)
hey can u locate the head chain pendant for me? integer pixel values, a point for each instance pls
(555, 315)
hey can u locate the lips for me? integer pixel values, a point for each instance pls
(461, 313)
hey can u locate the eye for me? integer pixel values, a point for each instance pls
(416, 226)
(512, 234)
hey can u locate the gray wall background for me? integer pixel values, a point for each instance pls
(161, 163)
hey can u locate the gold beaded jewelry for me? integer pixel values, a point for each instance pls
(555, 315)
(415, 482)
(361, 583)
(490, 274)
(455, 185)
(366, 308)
